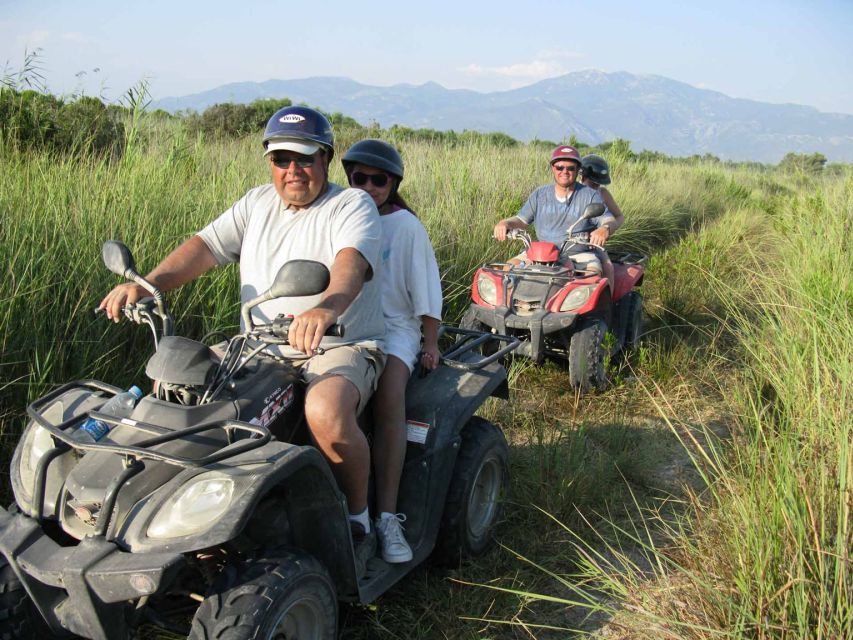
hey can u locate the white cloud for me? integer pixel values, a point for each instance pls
(75, 37)
(34, 39)
(547, 64)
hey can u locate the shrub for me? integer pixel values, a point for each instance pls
(811, 164)
(34, 120)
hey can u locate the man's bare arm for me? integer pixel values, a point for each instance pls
(347, 277)
(184, 264)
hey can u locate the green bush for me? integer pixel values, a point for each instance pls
(33, 120)
(230, 120)
(89, 124)
(808, 163)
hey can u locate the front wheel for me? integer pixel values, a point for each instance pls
(19, 617)
(287, 598)
(586, 356)
(469, 321)
(473, 505)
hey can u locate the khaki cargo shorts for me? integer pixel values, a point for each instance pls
(360, 365)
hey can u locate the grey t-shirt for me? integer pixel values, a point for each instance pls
(262, 234)
(553, 218)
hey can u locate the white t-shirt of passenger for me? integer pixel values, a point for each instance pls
(260, 233)
(411, 285)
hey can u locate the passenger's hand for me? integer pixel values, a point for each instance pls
(500, 230)
(120, 296)
(599, 236)
(430, 357)
(308, 328)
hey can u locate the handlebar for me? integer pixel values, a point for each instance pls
(278, 330)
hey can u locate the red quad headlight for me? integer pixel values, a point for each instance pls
(486, 287)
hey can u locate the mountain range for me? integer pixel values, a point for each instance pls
(652, 112)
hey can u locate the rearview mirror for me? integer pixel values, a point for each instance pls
(118, 258)
(593, 210)
(300, 278)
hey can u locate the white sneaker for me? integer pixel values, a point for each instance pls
(394, 546)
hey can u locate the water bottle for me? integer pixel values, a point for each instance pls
(120, 406)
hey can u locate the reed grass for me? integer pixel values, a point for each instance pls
(707, 493)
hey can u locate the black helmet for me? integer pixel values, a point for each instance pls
(374, 153)
(300, 129)
(595, 168)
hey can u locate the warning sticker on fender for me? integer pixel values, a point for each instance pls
(417, 431)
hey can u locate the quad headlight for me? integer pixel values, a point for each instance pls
(487, 289)
(194, 508)
(37, 441)
(577, 297)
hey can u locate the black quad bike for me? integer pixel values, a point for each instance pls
(559, 310)
(207, 512)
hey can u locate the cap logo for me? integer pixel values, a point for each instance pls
(566, 150)
(291, 118)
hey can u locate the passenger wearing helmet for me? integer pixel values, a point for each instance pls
(411, 301)
(554, 208)
(301, 215)
(595, 173)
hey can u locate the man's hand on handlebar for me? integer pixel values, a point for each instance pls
(599, 236)
(501, 229)
(123, 294)
(308, 329)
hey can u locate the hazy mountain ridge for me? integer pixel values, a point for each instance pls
(653, 112)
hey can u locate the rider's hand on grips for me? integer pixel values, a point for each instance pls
(308, 328)
(599, 236)
(500, 230)
(120, 296)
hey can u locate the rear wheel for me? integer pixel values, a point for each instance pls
(286, 598)
(631, 319)
(586, 356)
(473, 507)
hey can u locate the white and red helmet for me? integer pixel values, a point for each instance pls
(565, 152)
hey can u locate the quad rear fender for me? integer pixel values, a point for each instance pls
(437, 407)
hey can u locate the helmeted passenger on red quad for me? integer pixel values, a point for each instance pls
(554, 208)
(411, 302)
(301, 215)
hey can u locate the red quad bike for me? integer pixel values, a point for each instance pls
(559, 310)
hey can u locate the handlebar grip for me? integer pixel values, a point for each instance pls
(336, 331)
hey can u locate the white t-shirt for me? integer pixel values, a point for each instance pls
(262, 234)
(411, 286)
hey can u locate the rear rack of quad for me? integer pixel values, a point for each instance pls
(629, 258)
(252, 437)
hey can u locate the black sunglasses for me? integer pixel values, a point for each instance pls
(282, 160)
(565, 167)
(359, 179)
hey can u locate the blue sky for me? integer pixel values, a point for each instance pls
(783, 51)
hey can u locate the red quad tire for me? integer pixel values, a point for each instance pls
(586, 356)
(631, 319)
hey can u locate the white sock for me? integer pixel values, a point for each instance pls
(362, 518)
(385, 515)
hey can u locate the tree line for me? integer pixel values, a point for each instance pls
(33, 119)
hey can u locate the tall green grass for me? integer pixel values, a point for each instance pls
(762, 547)
(740, 302)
